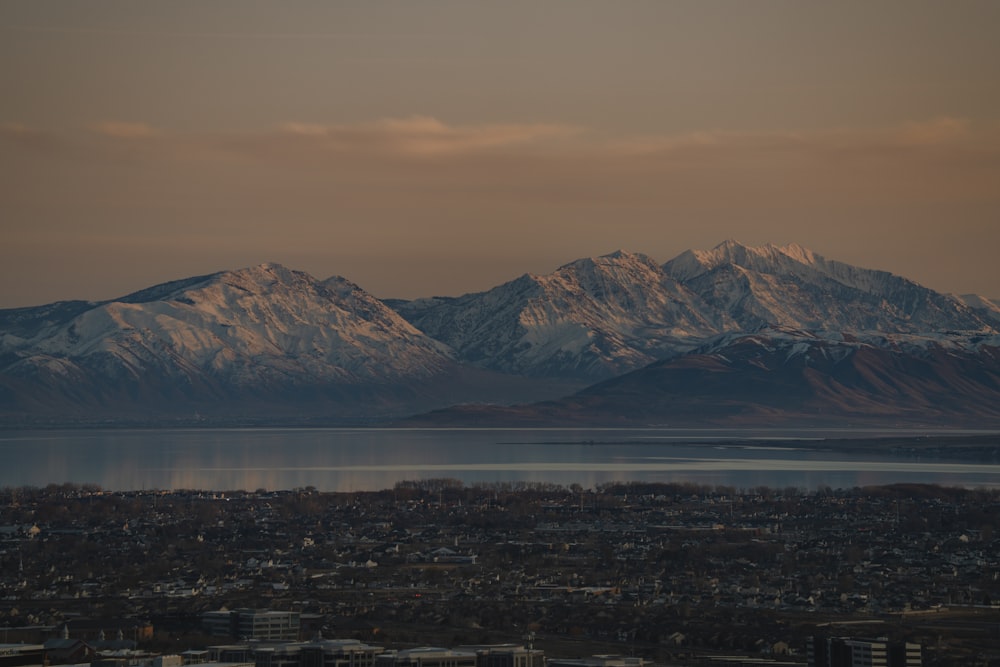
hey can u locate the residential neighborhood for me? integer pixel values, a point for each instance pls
(665, 574)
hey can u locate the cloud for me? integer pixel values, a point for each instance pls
(937, 157)
(17, 129)
(427, 136)
(305, 129)
(935, 132)
(19, 142)
(26, 134)
(123, 130)
(540, 146)
(947, 132)
(418, 189)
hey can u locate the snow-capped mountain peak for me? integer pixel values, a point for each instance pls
(591, 318)
(793, 286)
(264, 330)
(799, 254)
(270, 331)
(769, 257)
(606, 274)
(988, 309)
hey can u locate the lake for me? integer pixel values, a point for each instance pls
(333, 459)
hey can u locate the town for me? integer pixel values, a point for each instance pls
(433, 570)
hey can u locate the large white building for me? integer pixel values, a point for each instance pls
(253, 624)
(851, 652)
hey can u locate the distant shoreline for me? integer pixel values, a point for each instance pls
(960, 447)
(958, 444)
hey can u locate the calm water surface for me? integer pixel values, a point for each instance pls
(373, 459)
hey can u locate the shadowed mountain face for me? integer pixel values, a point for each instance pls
(734, 333)
(782, 378)
(794, 375)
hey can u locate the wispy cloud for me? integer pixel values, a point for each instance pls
(227, 34)
(935, 132)
(16, 129)
(941, 132)
(554, 152)
(415, 187)
(427, 136)
(305, 129)
(124, 130)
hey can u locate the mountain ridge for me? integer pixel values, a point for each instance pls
(792, 378)
(248, 340)
(271, 339)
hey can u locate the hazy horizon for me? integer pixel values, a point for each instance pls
(444, 147)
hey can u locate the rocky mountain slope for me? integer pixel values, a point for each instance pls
(986, 309)
(256, 340)
(268, 342)
(591, 319)
(785, 377)
(794, 287)
(599, 317)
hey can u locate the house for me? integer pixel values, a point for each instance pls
(22, 655)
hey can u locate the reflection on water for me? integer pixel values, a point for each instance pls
(372, 459)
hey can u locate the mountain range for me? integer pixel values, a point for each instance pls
(734, 334)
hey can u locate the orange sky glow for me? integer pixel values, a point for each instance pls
(444, 147)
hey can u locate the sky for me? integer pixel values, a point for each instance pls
(444, 147)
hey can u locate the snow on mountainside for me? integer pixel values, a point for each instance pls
(795, 287)
(251, 323)
(267, 340)
(601, 316)
(254, 331)
(592, 318)
(988, 309)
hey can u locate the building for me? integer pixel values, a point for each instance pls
(599, 661)
(253, 624)
(853, 652)
(505, 655)
(230, 653)
(338, 653)
(746, 661)
(427, 656)
(22, 655)
(316, 653)
(65, 651)
(225, 664)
